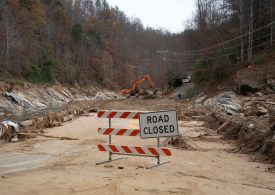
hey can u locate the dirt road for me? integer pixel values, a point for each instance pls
(50, 166)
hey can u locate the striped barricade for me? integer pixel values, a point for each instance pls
(114, 131)
(118, 114)
(149, 151)
(155, 152)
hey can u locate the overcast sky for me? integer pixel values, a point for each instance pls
(167, 14)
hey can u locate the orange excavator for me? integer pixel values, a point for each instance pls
(135, 89)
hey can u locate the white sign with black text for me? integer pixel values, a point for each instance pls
(158, 124)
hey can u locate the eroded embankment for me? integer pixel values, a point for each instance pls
(35, 107)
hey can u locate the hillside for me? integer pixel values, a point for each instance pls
(73, 42)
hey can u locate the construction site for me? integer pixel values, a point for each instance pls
(225, 143)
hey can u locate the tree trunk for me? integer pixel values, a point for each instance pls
(250, 49)
(241, 29)
(7, 40)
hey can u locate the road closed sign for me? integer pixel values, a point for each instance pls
(158, 124)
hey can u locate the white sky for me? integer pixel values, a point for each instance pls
(165, 14)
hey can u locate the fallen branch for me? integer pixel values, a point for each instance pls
(223, 126)
(49, 136)
(245, 144)
(264, 102)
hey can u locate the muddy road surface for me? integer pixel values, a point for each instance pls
(51, 166)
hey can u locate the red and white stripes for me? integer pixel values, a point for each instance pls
(117, 114)
(122, 132)
(130, 150)
(135, 150)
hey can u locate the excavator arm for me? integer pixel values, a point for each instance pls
(134, 88)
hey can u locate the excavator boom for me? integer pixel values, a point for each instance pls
(134, 88)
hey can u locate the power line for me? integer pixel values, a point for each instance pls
(220, 56)
(225, 42)
(209, 52)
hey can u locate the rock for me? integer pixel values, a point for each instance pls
(254, 109)
(248, 87)
(251, 126)
(26, 123)
(19, 99)
(68, 118)
(227, 102)
(15, 139)
(106, 96)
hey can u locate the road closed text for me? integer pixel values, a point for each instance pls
(158, 124)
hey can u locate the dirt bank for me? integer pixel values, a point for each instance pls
(32, 97)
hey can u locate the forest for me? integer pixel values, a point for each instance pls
(86, 41)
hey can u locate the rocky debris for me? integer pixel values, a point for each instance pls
(246, 88)
(252, 134)
(34, 127)
(26, 123)
(107, 95)
(226, 102)
(194, 113)
(20, 100)
(54, 119)
(258, 105)
(37, 97)
(254, 109)
(200, 100)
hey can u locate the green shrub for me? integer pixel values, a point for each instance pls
(17, 82)
(41, 73)
(77, 32)
(95, 36)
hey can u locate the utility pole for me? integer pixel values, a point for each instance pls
(162, 73)
(228, 60)
(271, 18)
(250, 50)
(241, 29)
(162, 61)
(7, 37)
